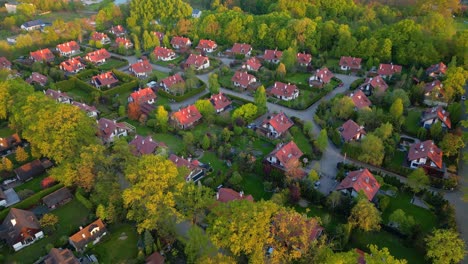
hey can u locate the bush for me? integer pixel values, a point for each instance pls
(23, 194)
(80, 197)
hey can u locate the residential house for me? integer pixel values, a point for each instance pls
(155, 258)
(285, 156)
(109, 130)
(360, 100)
(321, 77)
(33, 25)
(107, 79)
(42, 55)
(207, 46)
(220, 102)
(72, 65)
(57, 95)
(196, 13)
(98, 56)
(388, 70)
(351, 131)
(11, 7)
(29, 170)
(145, 145)
(180, 43)
(118, 31)
(159, 35)
(241, 49)
(276, 126)
(304, 59)
(21, 228)
(272, 56)
(100, 37)
(196, 169)
(57, 198)
(60, 256)
(350, 63)
(434, 90)
(285, 92)
(425, 154)
(225, 195)
(436, 70)
(168, 82)
(142, 96)
(186, 117)
(436, 114)
(5, 64)
(374, 84)
(357, 181)
(3, 198)
(125, 42)
(252, 64)
(199, 62)
(141, 68)
(8, 144)
(91, 111)
(68, 48)
(91, 234)
(37, 78)
(243, 79)
(164, 54)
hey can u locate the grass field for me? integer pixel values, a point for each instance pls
(33, 185)
(5, 131)
(120, 246)
(412, 123)
(301, 140)
(253, 184)
(214, 161)
(297, 78)
(172, 141)
(112, 64)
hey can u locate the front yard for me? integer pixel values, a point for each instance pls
(112, 63)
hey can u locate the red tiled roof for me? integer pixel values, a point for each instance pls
(107, 127)
(161, 52)
(206, 44)
(272, 55)
(4, 63)
(196, 60)
(98, 55)
(283, 89)
(351, 62)
(123, 41)
(253, 63)
(225, 195)
(325, 74)
(426, 149)
(219, 101)
(37, 78)
(389, 69)
(105, 79)
(26, 226)
(361, 180)
(304, 58)
(287, 154)
(85, 107)
(440, 113)
(98, 36)
(143, 95)
(159, 35)
(72, 64)
(142, 66)
(180, 41)
(43, 54)
(360, 100)
(243, 78)
(144, 145)
(429, 87)
(350, 129)
(190, 164)
(117, 30)
(187, 115)
(56, 94)
(439, 68)
(171, 80)
(377, 83)
(241, 48)
(68, 47)
(280, 122)
(84, 236)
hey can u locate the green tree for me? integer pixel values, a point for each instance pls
(162, 118)
(343, 108)
(401, 221)
(396, 111)
(452, 251)
(418, 180)
(206, 108)
(322, 140)
(453, 84)
(21, 155)
(372, 150)
(281, 71)
(198, 245)
(205, 142)
(260, 99)
(49, 221)
(313, 176)
(436, 131)
(365, 216)
(289, 58)
(193, 200)
(451, 144)
(149, 242)
(246, 112)
(213, 83)
(226, 134)
(101, 212)
(7, 164)
(379, 256)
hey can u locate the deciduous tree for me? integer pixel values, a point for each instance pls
(451, 144)
(322, 140)
(452, 251)
(365, 216)
(418, 180)
(49, 221)
(260, 99)
(213, 83)
(372, 150)
(198, 245)
(21, 155)
(162, 118)
(378, 256)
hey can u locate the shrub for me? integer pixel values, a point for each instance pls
(85, 201)
(23, 194)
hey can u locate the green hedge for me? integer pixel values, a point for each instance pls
(74, 83)
(123, 77)
(182, 97)
(87, 203)
(31, 201)
(87, 74)
(122, 88)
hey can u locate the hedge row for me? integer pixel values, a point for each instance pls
(31, 201)
(87, 74)
(122, 88)
(87, 203)
(123, 77)
(74, 83)
(182, 97)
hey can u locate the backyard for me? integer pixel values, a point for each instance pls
(301, 140)
(119, 246)
(112, 63)
(412, 123)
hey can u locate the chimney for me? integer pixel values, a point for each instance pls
(143, 142)
(353, 179)
(241, 194)
(217, 196)
(81, 227)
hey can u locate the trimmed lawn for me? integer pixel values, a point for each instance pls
(298, 78)
(253, 184)
(6, 131)
(172, 141)
(316, 211)
(174, 62)
(402, 201)
(301, 140)
(382, 239)
(216, 163)
(71, 217)
(140, 129)
(203, 128)
(398, 158)
(411, 124)
(33, 185)
(116, 249)
(160, 75)
(80, 95)
(112, 64)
